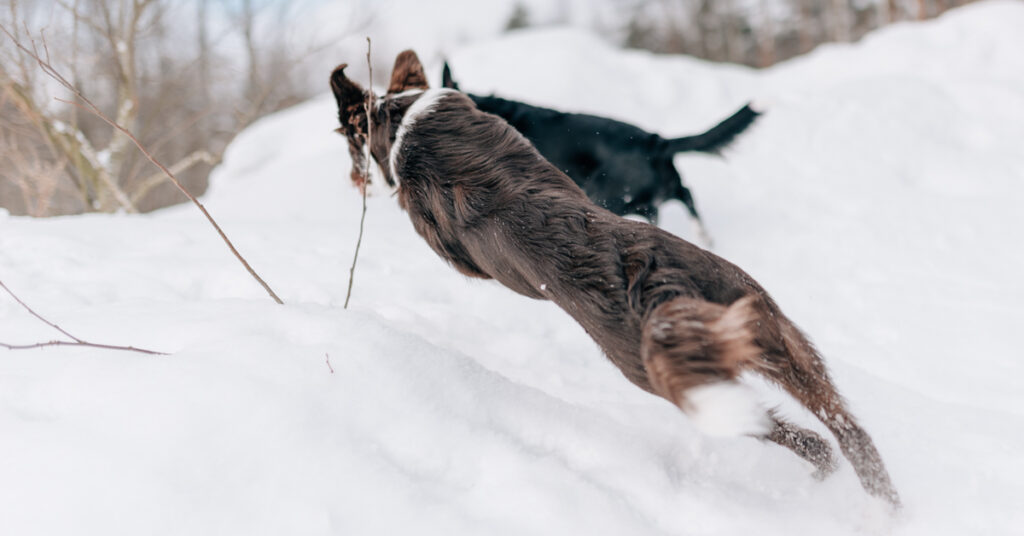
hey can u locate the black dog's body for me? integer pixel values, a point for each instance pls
(621, 167)
(678, 321)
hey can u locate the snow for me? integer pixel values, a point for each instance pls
(878, 200)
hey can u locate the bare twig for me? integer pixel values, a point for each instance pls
(86, 104)
(196, 157)
(33, 313)
(329, 367)
(366, 173)
(75, 341)
(83, 343)
(355, 257)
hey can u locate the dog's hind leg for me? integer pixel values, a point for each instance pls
(804, 443)
(692, 351)
(801, 372)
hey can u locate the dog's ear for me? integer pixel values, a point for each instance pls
(407, 73)
(446, 78)
(352, 115)
(346, 92)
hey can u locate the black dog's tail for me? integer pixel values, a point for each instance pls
(717, 137)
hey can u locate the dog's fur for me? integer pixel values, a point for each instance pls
(621, 167)
(676, 320)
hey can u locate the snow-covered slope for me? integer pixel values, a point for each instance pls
(878, 200)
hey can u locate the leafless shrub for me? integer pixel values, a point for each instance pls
(30, 176)
(43, 61)
(158, 67)
(36, 178)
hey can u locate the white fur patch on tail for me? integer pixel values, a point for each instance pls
(726, 409)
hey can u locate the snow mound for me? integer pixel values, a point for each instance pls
(878, 199)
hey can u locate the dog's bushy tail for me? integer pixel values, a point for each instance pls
(687, 342)
(717, 137)
(693, 350)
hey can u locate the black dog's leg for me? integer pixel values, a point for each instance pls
(682, 193)
(595, 185)
(649, 212)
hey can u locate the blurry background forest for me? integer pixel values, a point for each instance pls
(186, 77)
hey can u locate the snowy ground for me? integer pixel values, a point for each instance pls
(878, 200)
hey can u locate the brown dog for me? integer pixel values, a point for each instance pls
(678, 321)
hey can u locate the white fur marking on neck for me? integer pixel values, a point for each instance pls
(405, 93)
(423, 105)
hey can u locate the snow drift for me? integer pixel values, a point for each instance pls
(878, 200)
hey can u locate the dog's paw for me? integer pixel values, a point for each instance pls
(726, 409)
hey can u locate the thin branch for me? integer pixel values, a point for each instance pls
(355, 257)
(368, 104)
(200, 156)
(75, 341)
(83, 343)
(81, 17)
(86, 104)
(37, 315)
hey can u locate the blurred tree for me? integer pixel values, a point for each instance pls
(760, 32)
(167, 83)
(520, 18)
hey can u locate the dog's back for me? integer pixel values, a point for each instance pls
(494, 208)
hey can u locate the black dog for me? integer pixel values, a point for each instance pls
(678, 321)
(621, 167)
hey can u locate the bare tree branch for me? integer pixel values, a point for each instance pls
(366, 177)
(75, 341)
(86, 104)
(355, 257)
(86, 344)
(147, 184)
(81, 17)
